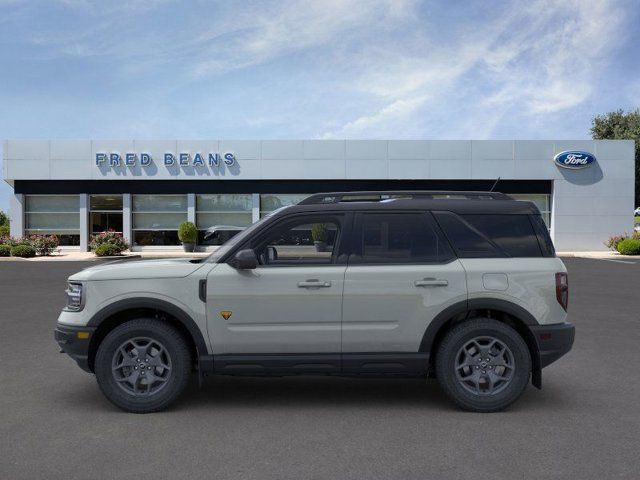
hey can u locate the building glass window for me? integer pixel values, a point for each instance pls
(106, 213)
(54, 215)
(220, 217)
(271, 201)
(156, 219)
(542, 201)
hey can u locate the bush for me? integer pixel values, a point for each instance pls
(187, 232)
(629, 246)
(4, 230)
(613, 241)
(5, 250)
(108, 238)
(44, 244)
(23, 250)
(108, 250)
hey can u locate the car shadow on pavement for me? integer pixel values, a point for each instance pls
(223, 392)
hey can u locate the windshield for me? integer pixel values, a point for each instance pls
(223, 249)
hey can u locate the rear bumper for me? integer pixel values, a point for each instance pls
(553, 341)
(74, 345)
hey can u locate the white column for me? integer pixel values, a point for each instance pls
(16, 212)
(191, 208)
(255, 208)
(84, 222)
(126, 219)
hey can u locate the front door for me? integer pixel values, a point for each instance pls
(292, 302)
(401, 274)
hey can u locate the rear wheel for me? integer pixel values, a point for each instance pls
(483, 365)
(143, 365)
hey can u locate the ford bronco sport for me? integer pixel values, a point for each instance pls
(463, 286)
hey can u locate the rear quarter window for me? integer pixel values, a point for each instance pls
(490, 235)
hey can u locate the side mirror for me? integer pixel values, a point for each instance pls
(245, 260)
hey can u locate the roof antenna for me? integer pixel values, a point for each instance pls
(494, 184)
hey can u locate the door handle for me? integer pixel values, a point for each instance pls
(313, 283)
(431, 282)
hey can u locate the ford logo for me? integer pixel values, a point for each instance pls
(574, 159)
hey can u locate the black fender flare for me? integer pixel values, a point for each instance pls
(155, 304)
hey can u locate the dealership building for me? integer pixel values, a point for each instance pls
(146, 188)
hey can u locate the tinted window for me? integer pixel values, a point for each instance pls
(400, 238)
(544, 240)
(491, 235)
(512, 233)
(303, 241)
(468, 242)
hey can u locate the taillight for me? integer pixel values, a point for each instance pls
(562, 289)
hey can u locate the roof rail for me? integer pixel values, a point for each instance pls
(378, 196)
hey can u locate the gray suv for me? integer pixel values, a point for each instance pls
(461, 286)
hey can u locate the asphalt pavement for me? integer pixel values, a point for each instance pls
(584, 423)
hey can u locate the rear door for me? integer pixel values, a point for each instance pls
(401, 274)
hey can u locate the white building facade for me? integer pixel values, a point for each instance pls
(146, 188)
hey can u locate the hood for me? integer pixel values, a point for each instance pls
(123, 270)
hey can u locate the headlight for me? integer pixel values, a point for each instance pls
(74, 297)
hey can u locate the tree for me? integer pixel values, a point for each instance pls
(4, 218)
(620, 125)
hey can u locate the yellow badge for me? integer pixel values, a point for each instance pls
(226, 314)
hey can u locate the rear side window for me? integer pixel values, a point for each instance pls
(544, 240)
(491, 235)
(399, 238)
(514, 234)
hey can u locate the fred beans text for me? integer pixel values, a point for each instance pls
(183, 159)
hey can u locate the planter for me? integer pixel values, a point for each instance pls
(188, 247)
(320, 246)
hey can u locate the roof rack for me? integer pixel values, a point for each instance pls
(379, 196)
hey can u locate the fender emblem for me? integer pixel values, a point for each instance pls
(226, 314)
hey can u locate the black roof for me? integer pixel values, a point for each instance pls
(457, 202)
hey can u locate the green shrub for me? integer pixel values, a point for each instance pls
(5, 250)
(108, 238)
(187, 232)
(4, 231)
(319, 232)
(23, 250)
(108, 250)
(44, 244)
(629, 246)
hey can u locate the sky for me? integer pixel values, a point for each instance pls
(401, 69)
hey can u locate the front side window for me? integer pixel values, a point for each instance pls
(307, 240)
(400, 238)
(156, 219)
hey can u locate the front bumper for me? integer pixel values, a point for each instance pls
(553, 341)
(75, 341)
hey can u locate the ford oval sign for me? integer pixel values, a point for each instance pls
(574, 159)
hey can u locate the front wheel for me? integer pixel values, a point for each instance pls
(143, 365)
(483, 365)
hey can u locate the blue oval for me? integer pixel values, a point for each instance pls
(574, 159)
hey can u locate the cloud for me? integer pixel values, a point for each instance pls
(384, 68)
(542, 58)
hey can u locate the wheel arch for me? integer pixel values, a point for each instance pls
(117, 313)
(502, 310)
